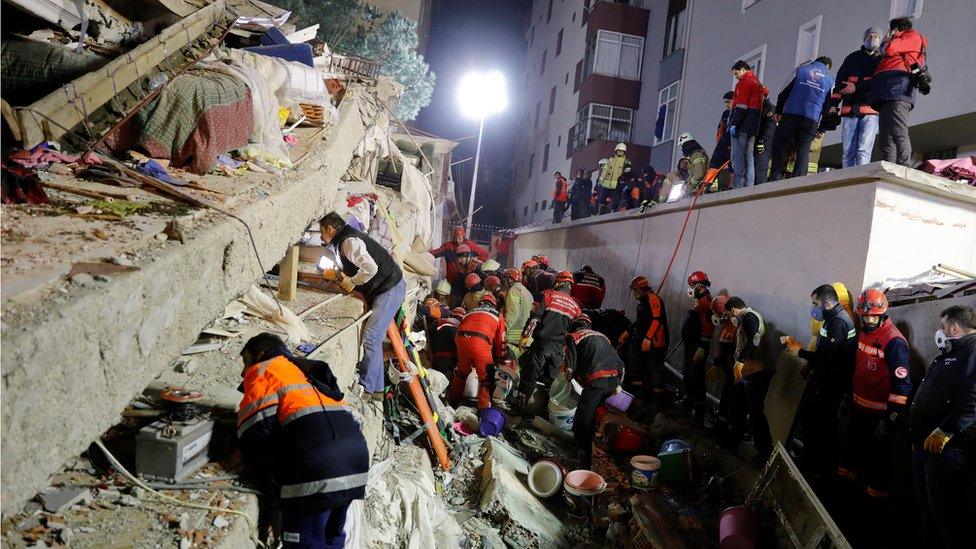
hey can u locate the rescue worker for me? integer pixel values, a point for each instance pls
(697, 160)
(799, 108)
(764, 141)
(744, 121)
(442, 292)
(493, 285)
(294, 425)
(588, 288)
(538, 279)
(370, 270)
(543, 262)
(828, 373)
(879, 395)
(448, 251)
(628, 181)
(580, 194)
(751, 376)
(723, 145)
(480, 341)
(648, 343)
(650, 188)
(490, 267)
(590, 360)
(943, 428)
(518, 307)
(546, 331)
(475, 289)
(723, 360)
(560, 196)
(696, 338)
(443, 350)
(610, 173)
(860, 121)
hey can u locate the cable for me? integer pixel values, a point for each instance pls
(257, 257)
(252, 529)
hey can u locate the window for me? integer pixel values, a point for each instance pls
(566, 79)
(536, 208)
(549, 12)
(531, 162)
(598, 122)
(545, 159)
(525, 211)
(538, 107)
(574, 17)
(552, 99)
(906, 8)
(756, 59)
(579, 76)
(674, 33)
(559, 140)
(559, 42)
(808, 41)
(746, 4)
(614, 54)
(586, 12)
(667, 109)
(542, 67)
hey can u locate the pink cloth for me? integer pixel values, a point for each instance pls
(953, 168)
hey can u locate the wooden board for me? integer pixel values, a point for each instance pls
(783, 398)
(288, 275)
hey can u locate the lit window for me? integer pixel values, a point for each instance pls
(614, 54)
(808, 41)
(906, 8)
(602, 122)
(675, 32)
(667, 110)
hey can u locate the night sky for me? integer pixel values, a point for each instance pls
(477, 34)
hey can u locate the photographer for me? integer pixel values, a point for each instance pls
(899, 73)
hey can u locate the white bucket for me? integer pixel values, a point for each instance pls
(505, 376)
(565, 393)
(545, 479)
(561, 416)
(471, 385)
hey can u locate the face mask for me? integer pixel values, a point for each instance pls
(817, 313)
(690, 292)
(716, 320)
(872, 42)
(942, 341)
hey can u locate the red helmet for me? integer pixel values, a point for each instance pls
(458, 231)
(514, 275)
(530, 264)
(490, 298)
(471, 280)
(463, 249)
(543, 260)
(718, 305)
(458, 312)
(583, 319)
(640, 283)
(873, 302)
(698, 277)
(492, 282)
(564, 277)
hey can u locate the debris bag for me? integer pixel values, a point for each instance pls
(263, 306)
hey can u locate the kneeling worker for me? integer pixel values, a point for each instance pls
(593, 362)
(294, 423)
(370, 270)
(480, 340)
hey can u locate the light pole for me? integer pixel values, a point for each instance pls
(480, 94)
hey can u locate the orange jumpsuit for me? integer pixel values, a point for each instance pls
(480, 339)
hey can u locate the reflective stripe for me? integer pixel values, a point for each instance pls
(296, 387)
(250, 408)
(270, 411)
(870, 404)
(870, 350)
(323, 486)
(823, 332)
(311, 410)
(601, 374)
(898, 399)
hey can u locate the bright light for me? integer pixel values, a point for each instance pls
(676, 192)
(326, 263)
(482, 94)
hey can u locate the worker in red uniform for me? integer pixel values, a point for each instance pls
(588, 288)
(537, 276)
(591, 360)
(879, 395)
(443, 350)
(480, 341)
(723, 360)
(543, 262)
(696, 336)
(546, 330)
(648, 344)
(448, 251)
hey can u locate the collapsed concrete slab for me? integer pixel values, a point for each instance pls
(69, 368)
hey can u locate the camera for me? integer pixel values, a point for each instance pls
(921, 79)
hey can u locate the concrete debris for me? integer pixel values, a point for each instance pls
(184, 365)
(220, 522)
(185, 543)
(56, 500)
(82, 279)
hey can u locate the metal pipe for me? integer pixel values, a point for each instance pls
(474, 178)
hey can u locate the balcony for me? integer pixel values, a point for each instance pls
(589, 156)
(624, 17)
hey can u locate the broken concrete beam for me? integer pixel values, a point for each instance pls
(526, 523)
(109, 341)
(56, 500)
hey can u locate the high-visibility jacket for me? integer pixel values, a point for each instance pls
(560, 192)
(748, 338)
(472, 298)
(612, 171)
(881, 381)
(703, 310)
(482, 326)
(518, 307)
(312, 443)
(651, 321)
(591, 356)
(588, 289)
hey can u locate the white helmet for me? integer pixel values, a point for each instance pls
(684, 138)
(621, 147)
(490, 265)
(443, 287)
(602, 162)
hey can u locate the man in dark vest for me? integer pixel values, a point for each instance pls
(369, 269)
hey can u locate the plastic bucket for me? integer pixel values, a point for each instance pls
(675, 456)
(471, 385)
(620, 401)
(644, 475)
(492, 422)
(674, 445)
(504, 381)
(560, 416)
(628, 440)
(565, 393)
(583, 482)
(737, 528)
(545, 478)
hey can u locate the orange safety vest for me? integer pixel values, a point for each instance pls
(561, 191)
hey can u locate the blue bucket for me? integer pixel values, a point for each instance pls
(492, 422)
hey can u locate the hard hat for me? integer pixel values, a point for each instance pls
(490, 298)
(621, 147)
(514, 275)
(586, 268)
(471, 280)
(718, 305)
(530, 264)
(541, 259)
(582, 319)
(684, 138)
(640, 283)
(458, 312)
(564, 276)
(463, 249)
(458, 230)
(443, 287)
(492, 282)
(873, 302)
(698, 277)
(491, 265)
(602, 162)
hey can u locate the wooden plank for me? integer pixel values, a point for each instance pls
(303, 35)
(288, 275)
(55, 114)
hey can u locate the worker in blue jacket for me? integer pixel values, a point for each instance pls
(798, 109)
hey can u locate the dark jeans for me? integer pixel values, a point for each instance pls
(694, 376)
(864, 455)
(315, 529)
(941, 488)
(751, 396)
(558, 210)
(794, 132)
(820, 417)
(580, 209)
(762, 162)
(726, 402)
(645, 372)
(896, 146)
(584, 422)
(606, 200)
(539, 363)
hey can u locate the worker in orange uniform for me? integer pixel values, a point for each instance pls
(475, 289)
(560, 195)
(588, 288)
(648, 344)
(723, 360)
(448, 251)
(544, 337)
(443, 350)
(537, 278)
(879, 394)
(696, 336)
(480, 341)
(294, 424)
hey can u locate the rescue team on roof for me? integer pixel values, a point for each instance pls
(870, 97)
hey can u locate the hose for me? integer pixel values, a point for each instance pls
(252, 529)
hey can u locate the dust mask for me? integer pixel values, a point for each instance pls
(872, 42)
(816, 312)
(941, 341)
(716, 320)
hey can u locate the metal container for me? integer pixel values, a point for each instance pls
(171, 451)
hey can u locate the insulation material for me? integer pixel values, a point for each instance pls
(259, 23)
(784, 396)
(263, 306)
